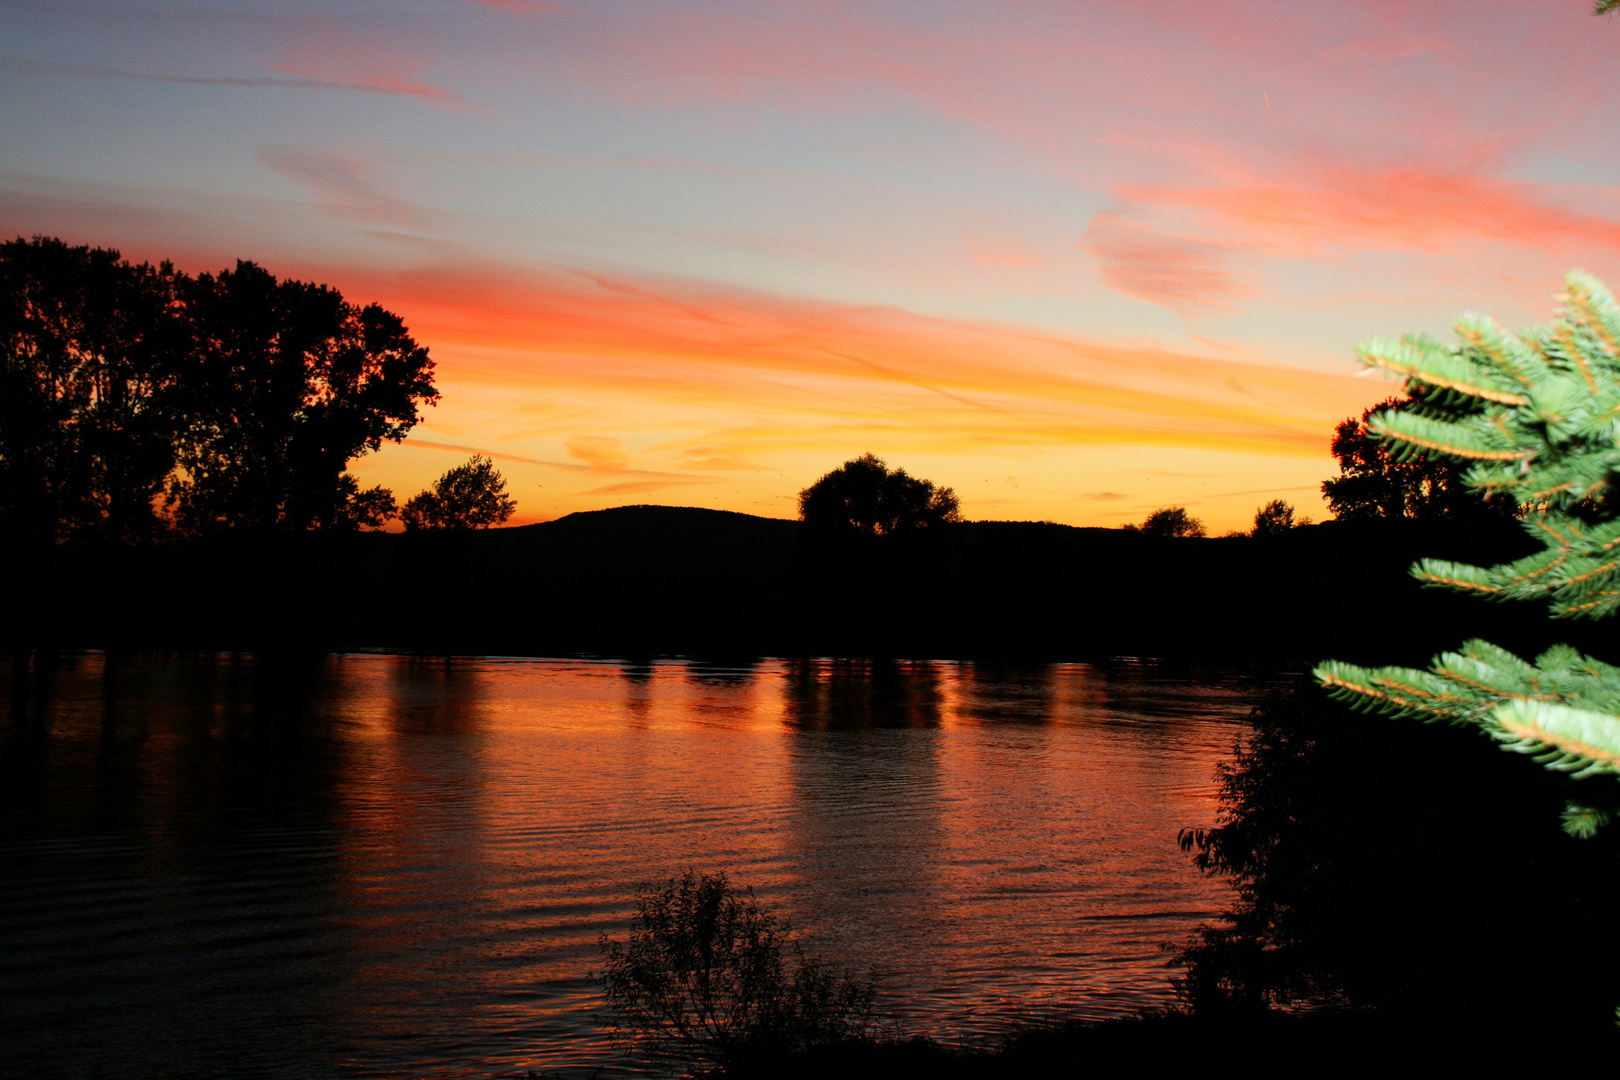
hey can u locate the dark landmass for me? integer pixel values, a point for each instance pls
(650, 580)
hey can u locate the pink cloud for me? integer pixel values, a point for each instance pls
(1184, 274)
(1396, 48)
(1401, 207)
(334, 50)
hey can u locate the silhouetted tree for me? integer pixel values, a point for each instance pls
(470, 496)
(91, 352)
(1274, 519)
(289, 384)
(865, 497)
(1377, 480)
(1173, 521)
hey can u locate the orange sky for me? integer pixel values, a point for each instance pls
(594, 391)
(1077, 260)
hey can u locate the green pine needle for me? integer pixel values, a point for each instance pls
(1539, 416)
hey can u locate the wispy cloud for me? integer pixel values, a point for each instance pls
(521, 7)
(813, 368)
(598, 451)
(341, 187)
(644, 487)
(285, 81)
(619, 468)
(1397, 47)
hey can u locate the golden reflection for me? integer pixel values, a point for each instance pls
(862, 693)
(409, 861)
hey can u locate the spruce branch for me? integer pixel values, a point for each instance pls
(1538, 416)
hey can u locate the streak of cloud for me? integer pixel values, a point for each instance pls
(433, 94)
(960, 384)
(340, 186)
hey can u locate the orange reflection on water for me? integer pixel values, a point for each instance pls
(409, 862)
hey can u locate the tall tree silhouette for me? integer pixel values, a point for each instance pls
(290, 383)
(91, 355)
(864, 497)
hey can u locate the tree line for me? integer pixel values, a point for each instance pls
(1377, 480)
(139, 402)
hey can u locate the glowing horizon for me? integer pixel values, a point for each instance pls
(1075, 261)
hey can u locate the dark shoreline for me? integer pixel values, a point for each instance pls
(644, 581)
(1321, 1042)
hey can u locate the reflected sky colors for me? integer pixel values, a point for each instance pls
(1078, 260)
(382, 866)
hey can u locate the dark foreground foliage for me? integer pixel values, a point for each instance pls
(1368, 879)
(709, 979)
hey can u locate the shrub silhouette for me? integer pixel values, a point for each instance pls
(711, 979)
(865, 497)
(470, 496)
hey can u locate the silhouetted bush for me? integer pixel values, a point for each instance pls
(708, 978)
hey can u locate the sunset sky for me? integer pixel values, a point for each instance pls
(1077, 260)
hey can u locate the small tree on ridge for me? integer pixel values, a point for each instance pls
(1276, 518)
(1172, 521)
(864, 497)
(470, 496)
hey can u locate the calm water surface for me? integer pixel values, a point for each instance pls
(374, 865)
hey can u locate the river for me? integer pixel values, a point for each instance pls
(373, 865)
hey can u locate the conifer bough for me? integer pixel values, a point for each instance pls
(1538, 416)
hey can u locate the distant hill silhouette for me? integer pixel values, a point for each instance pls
(655, 579)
